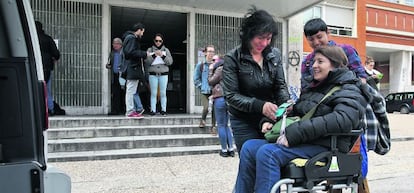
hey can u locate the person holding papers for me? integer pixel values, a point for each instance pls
(158, 62)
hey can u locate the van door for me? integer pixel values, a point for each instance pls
(22, 101)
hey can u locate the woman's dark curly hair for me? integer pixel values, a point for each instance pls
(256, 22)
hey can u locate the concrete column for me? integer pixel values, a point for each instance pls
(106, 47)
(400, 71)
(190, 61)
(294, 55)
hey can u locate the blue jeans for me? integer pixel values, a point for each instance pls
(364, 155)
(244, 130)
(50, 104)
(137, 102)
(162, 82)
(224, 131)
(260, 163)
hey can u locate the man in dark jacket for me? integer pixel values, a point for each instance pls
(134, 58)
(50, 55)
(117, 90)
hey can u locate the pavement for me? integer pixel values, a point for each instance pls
(210, 173)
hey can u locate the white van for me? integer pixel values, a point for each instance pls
(23, 114)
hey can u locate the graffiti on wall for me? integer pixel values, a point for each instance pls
(294, 92)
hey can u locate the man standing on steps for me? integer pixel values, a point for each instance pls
(50, 55)
(134, 58)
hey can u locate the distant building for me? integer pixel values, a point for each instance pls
(383, 29)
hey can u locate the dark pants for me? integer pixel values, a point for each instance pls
(117, 96)
(244, 130)
(204, 102)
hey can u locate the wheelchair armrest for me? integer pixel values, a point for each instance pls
(355, 132)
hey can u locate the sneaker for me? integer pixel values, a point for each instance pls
(135, 115)
(163, 113)
(230, 153)
(223, 154)
(202, 124)
(141, 111)
(152, 113)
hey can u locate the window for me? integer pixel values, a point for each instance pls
(390, 97)
(409, 2)
(341, 26)
(392, 1)
(314, 12)
(338, 30)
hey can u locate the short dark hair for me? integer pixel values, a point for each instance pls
(39, 26)
(209, 46)
(335, 55)
(256, 22)
(138, 26)
(159, 35)
(313, 26)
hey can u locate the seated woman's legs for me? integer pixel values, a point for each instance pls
(271, 157)
(247, 166)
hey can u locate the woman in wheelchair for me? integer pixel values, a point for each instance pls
(261, 162)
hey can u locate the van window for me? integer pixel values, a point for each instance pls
(390, 97)
(398, 97)
(410, 96)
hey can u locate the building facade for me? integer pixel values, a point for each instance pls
(83, 30)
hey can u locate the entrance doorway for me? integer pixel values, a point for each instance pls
(173, 26)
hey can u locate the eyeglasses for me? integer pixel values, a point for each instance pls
(160, 41)
(210, 51)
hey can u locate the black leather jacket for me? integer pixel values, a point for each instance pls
(247, 87)
(134, 57)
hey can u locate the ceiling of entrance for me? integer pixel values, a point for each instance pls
(174, 23)
(278, 8)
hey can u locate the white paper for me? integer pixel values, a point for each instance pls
(158, 60)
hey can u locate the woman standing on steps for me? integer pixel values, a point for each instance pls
(220, 107)
(158, 62)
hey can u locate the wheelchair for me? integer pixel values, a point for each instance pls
(327, 171)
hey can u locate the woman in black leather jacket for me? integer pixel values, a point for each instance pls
(253, 78)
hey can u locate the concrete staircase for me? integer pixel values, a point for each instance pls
(113, 137)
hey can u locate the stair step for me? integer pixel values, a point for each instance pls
(105, 131)
(97, 121)
(77, 138)
(130, 142)
(131, 153)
